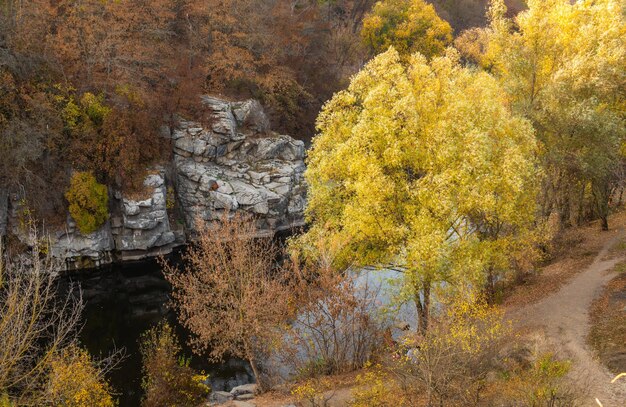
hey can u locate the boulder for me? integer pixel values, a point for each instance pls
(92, 249)
(220, 397)
(251, 116)
(250, 388)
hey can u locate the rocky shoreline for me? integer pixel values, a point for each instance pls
(234, 162)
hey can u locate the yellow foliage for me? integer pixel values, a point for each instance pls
(421, 164)
(89, 202)
(315, 391)
(75, 382)
(562, 64)
(408, 25)
(474, 324)
(541, 384)
(374, 389)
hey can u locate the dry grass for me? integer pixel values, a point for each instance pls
(342, 385)
(608, 323)
(574, 251)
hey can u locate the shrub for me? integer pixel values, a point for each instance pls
(544, 383)
(316, 392)
(74, 381)
(230, 294)
(449, 364)
(375, 388)
(89, 202)
(338, 327)
(36, 323)
(168, 379)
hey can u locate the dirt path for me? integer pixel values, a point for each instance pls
(563, 318)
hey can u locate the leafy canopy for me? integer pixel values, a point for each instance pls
(408, 25)
(562, 65)
(413, 160)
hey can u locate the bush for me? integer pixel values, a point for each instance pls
(168, 379)
(450, 363)
(75, 381)
(89, 202)
(230, 294)
(375, 388)
(338, 327)
(315, 392)
(544, 383)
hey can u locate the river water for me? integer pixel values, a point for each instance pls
(121, 302)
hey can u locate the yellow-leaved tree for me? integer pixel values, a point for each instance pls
(422, 166)
(562, 64)
(408, 25)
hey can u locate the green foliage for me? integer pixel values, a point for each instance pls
(408, 25)
(168, 379)
(88, 202)
(88, 114)
(412, 160)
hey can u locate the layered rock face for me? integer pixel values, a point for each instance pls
(228, 166)
(231, 163)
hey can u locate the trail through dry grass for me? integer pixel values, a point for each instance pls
(562, 317)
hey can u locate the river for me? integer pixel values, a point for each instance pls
(121, 302)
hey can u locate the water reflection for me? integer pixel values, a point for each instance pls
(122, 302)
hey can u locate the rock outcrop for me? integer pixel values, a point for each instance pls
(232, 166)
(82, 251)
(143, 227)
(233, 163)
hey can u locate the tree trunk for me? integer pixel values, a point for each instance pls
(601, 196)
(423, 306)
(605, 223)
(491, 286)
(257, 374)
(254, 365)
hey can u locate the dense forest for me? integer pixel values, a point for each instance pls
(86, 85)
(454, 144)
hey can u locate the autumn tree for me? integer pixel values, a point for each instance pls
(229, 293)
(338, 327)
(40, 363)
(408, 25)
(168, 378)
(562, 66)
(405, 160)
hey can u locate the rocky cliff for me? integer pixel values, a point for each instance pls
(230, 162)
